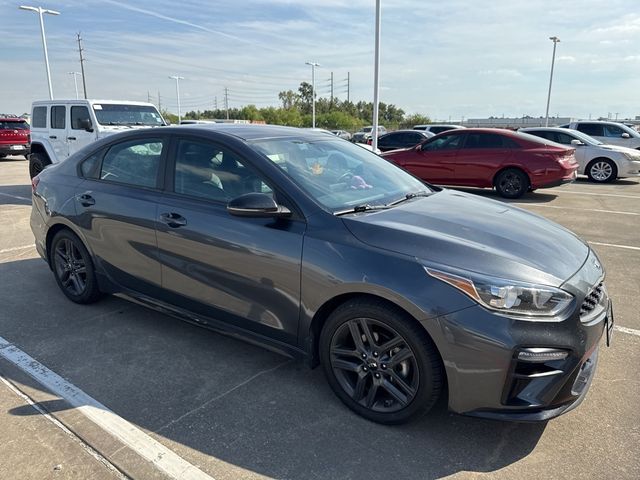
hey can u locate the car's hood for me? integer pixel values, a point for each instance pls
(471, 233)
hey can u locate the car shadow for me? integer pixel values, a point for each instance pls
(529, 197)
(218, 399)
(15, 194)
(619, 181)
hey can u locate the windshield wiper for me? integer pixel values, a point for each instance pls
(361, 208)
(409, 196)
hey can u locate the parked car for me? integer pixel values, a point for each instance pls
(342, 134)
(401, 139)
(600, 162)
(60, 128)
(14, 136)
(510, 162)
(365, 134)
(610, 133)
(437, 128)
(326, 252)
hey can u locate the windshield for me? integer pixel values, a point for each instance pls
(339, 175)
(13, 125)
(127, 115)
(366, 129)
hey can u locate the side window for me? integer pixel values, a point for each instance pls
(385, 140)
(79, 113)
(39, 117)
(593, 129)
(135, 162)
(613, 131)
(90, 168)
(445, 142)
(205, 170)
(58, 117)
(563, 138)
(485, 140)
(542, 134)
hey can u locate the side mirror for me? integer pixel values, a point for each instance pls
(575, 141)
(256, 205)
(625, 135)
(85, 124)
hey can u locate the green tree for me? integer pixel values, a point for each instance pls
(414, 119)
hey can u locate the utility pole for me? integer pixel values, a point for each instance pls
(148, 96)
(75, 81)
(348, 85)
(331, 103)
(82, 59)
(226, 101)
(376, 80)
(313, 92)
(555, 41)
(177, 78)
(215, 102)
(159, 102)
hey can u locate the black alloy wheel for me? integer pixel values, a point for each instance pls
(512, 183)
(380, 364)
(73, 268)
(37, 162)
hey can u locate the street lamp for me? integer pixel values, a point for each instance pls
(177, 78)
(313, 91)
(75, 81)
(555, 40)
(376, 80)
(40, 11)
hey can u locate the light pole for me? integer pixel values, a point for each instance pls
(555, 41)
(40, 11)
(313, 91)
(75, 81)
(376, 80)
(177, 78)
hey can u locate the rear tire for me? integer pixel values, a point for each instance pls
(73, 268)
(602, 170)
(511, 183)
(379, 362)
(37, 162)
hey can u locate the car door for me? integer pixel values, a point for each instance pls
(58, 131)
(614, 136)
(243, 271)
(116, 206)
(480, 157)
(78, 136)
(434, 160)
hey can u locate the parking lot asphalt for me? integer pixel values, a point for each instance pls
(217, 407)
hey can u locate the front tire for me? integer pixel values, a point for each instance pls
(379, 362)
(602, 170)
(512, 183)
(73, 268)
(37, 162)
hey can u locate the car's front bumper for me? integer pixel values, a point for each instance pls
(630, 169)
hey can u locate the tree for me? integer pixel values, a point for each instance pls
(306, 97)
(289, 99)
(414, 119)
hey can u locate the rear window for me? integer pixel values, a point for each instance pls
(13, 125)
(39, 117)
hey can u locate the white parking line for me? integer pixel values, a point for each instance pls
(617, 212)
(559, 190)
(630, 331)
(628, 247)
(15, 249)
(160, 456)
(14, 196)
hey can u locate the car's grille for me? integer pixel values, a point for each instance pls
(592, 300)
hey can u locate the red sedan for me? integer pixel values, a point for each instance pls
(511, 162)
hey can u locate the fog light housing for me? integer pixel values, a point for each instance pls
(541, 355)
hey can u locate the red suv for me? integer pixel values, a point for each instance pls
(511, 162)
(15, 137)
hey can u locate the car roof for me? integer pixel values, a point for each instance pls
(12, 119)
(551, 129)
(253, 131)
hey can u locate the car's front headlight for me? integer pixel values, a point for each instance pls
(524, 300)
(631, 156)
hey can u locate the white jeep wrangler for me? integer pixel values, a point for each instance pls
(60, 128)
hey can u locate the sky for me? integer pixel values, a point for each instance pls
(448, 59)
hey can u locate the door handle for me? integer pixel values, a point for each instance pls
(53, 136)
(71, 138)
(174, 220)
(87, 200)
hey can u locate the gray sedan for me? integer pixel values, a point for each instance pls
(326, 252)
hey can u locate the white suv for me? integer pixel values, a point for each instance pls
(59, 128)
(611, 133)
(600, 162)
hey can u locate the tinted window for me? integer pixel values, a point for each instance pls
(593, 129)
(485, 140)
(563, 138)
(437, 130)
(77, 115)
(39, 117)
(542, 134)
(208, 171)
(135, 162)
(445, 142)
(57, 117)
(13, 125)
(613, 131)
(90, 168)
